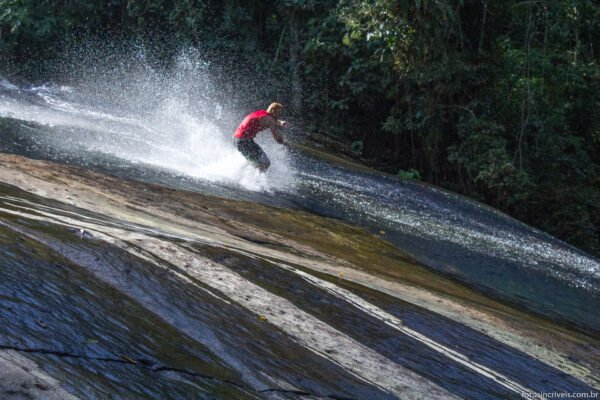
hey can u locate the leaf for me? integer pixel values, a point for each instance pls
(409, 174)
(128, 359)
(357, 148)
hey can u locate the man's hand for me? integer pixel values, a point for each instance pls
(284, 124)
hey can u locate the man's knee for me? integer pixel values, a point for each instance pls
(264, 165)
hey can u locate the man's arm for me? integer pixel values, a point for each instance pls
(275, 125)
(276, 134)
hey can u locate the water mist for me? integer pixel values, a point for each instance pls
(118, 101)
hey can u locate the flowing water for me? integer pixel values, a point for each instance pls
(157, 129)
(172, 127)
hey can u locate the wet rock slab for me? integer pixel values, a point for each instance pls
(111, 287)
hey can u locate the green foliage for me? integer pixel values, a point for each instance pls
(498, 100)
(410, 174)
(28, 26)
(357, 148)
(482, 153)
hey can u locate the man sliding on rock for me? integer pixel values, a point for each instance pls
(243, 139)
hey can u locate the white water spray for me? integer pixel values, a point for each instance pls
(173, 118)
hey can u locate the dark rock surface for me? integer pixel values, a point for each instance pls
(111, 288)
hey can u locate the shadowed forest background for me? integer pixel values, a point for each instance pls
(497, 100)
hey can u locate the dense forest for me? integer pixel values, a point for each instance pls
(498, 100)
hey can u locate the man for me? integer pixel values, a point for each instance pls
(243, 139)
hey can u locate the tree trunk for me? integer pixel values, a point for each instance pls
(295, 63)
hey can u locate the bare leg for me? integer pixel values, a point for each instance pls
(263, 166)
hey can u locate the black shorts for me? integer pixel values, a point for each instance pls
(251, 151)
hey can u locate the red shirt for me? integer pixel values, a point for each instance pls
(250, 126)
